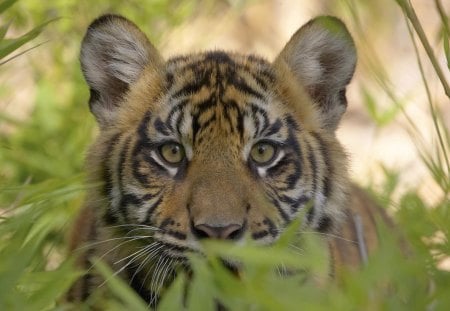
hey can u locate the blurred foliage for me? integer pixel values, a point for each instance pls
(41, 187)
(8, 45)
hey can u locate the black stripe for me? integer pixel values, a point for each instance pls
(326, 184)
(280, 210)
(313, 163)
(260, 81)
(173, 247)
(201, 107)
(136, 282)
(292, 123)
(126, 200)
(167, 221)
(271, 227)
(274, 128)
(176, 234)
(257, 111)
(310, 214)
(219, 57)
(178, 59)
(177, 108)
(109, 217)
(240, 84)
(295, 159)
(161, 127)
(107, 178)
(143, 126)
(202, 79)
(299, 202)
(169, 80)
(260, 234)
(151, 210)
(122, 158)
(324, 224)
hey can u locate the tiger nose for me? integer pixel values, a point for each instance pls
(227, 232)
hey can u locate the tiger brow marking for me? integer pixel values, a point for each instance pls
(274, 128)
(176, 108)
(240, 84)
(161, 127)
(191, 87)
(255, 112)
(143, 127)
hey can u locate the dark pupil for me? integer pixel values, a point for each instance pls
(261, 149)
(174, 150)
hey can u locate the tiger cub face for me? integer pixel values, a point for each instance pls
(214, 145)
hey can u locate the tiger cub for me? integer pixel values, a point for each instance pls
(215, 145)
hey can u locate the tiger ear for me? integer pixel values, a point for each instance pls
(114, 52)
(322, 56)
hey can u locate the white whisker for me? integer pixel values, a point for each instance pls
(141, 250)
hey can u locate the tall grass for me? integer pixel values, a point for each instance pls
(41, 191)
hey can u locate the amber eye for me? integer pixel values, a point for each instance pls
(263, 153)
(172, 153)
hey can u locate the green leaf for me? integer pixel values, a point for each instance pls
(45, 287)
(173, 298)
(5, 4)
(130, 299)
(380, 117)
(8, 46)
(3, 30)
(445, 39)
(202, 289)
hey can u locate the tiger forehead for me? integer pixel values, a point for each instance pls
(218, 91)
(217, 71)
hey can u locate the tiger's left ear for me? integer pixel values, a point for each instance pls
(322, 57)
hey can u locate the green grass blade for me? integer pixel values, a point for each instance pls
(8, 46)
(3, 30)
(128, 297)
(173, 298)
(5, 4)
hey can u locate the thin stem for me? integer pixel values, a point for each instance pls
(430, 100)
(442, 15)
(411, 14)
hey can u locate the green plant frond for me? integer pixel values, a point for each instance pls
(8, 46)
(381, 118)
(128, 298)
(5, 4)
(3, 30)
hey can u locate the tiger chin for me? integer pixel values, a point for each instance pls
(215, 145)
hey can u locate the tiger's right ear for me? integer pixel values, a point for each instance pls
(114, 52)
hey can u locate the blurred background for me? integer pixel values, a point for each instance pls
(395, 129)
(42, 90)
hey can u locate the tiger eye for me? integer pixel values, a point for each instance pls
(262, 153)
(172, 153)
